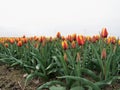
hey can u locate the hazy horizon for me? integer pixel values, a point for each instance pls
(47, 17)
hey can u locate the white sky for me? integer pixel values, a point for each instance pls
(47, 17)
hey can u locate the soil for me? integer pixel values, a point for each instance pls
(13, 79)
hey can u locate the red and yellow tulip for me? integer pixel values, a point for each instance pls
(80, 40)
(104, 33)
(64, 44)
(19, 44)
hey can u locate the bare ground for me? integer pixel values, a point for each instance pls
(13, 79)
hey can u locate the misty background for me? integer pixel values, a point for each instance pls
(47, 17)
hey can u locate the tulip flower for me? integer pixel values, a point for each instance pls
(64, 44)
(24, 40)
(113, 40)
(104, 33)
(42, 38)
(109, 40)
(65, 57)
(11, 40)
(78, 57)
(103, 54)
(73, 45)
(24, 36)
(36, 38)
(58, 35)
(97, 37)
(63, 38)
(19, 44)
(69, 38)
(88, 38)
(93, 39)
(80, 40)
(6, 45)
(74, 36)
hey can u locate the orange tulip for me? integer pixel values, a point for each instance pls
(104, 33)
(113, 40)
(11, 40)
(109, 40)
(103, 54)
(63, 38)
(74, 36)
(35, 38)
(19, 44)
(58, 35)
(93, 39)
(97, 37)
(6, 45)
(24, 40)
(64, 45)
(24, 36)
(73, 45)
(69, 38)
(42, 38)
(80, 40)
(88, 38)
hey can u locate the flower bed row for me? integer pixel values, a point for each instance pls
(75, 62)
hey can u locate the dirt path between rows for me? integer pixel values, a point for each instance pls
(13, 79)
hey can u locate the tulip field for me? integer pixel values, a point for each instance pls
(73, 62)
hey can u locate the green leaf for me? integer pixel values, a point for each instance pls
(77, 88)
(57, 88)
(51, 83)
(50, 66)
(29, 77)
(98, 59)
(82, 80)
(14, 64)
(107, 82)
(90, 73)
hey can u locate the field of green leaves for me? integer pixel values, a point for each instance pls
(75, 62)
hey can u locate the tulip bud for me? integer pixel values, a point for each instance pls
(88, 38)
(6, 45)
(114, 49)
(103, 54)
(93, 39)
(73, 45)
(64, 45)
(65, 57)
(113, 40)
(19, 44)
(69, 38)
(80, 40)
(58, 35)
(104, 33)
(11, 41)
(78, 57)
(74, 36)
(109, 40)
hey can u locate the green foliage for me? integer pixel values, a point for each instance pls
(82, 69)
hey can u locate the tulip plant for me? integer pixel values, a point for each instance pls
(75, 62)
